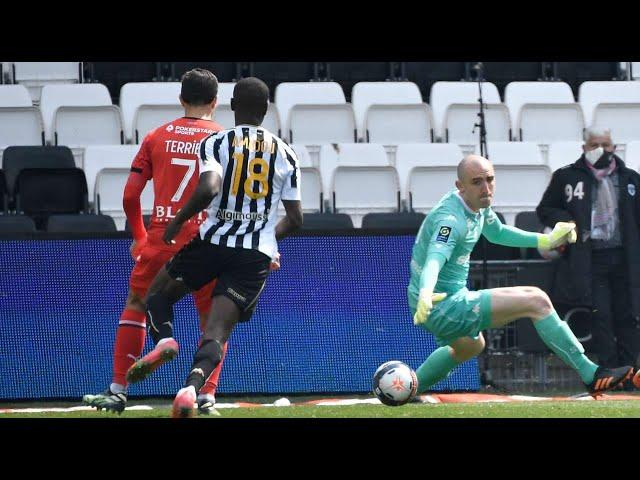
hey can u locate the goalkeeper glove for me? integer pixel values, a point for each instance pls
(426, 300)
(562, 233)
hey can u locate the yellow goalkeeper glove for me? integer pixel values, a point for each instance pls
(563, 232)
(426, 301)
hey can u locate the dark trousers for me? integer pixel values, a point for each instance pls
(616, 333)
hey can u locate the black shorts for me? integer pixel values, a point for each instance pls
(241, 273)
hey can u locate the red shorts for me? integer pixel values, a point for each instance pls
(152, 259)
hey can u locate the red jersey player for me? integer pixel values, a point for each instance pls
(169, 156)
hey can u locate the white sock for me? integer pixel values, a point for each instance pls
(164, 340)
(207, 397)
(117, 388)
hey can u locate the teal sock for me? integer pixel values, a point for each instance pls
(435, 368)
(557, 335)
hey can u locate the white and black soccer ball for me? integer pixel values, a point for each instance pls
(395, 383)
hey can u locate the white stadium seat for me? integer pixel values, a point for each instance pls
(522, 176)
(88, 102)
(426, 172)
(312, 193)
(107, 168)
(622, 118)
(134, 95)
(391, 112)
(20, 122)
(632, 155)
(443, 94)
(563, 153)
(590, 94)
(544, 112)
(316, 94)
(317, 124)
(34, 75)
(150, 117)
(460, 120)
(364, 165)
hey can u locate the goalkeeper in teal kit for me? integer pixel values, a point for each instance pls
(441, 303)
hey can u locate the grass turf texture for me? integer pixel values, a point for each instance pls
(561, 409)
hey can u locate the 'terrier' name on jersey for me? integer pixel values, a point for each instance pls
(176, 146)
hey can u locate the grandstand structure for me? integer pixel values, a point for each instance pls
(396, 130)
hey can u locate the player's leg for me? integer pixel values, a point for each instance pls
(238, 288)
(206, 396)
(509, 304)
(164, 292)
(444, 359)
(131, 331)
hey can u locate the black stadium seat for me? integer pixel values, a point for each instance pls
(529, 221)
(16, 224)
(327, 221)
(145, 219)
(41, 192)
(4, 194)
(494, 251)
(15, 159)
(81, 224)
(409, 220)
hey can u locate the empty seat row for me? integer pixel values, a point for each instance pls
(74, 223)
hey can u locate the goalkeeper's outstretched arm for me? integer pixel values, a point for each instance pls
(497, 232)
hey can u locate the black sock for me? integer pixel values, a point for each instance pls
(205, 361)
(159, 317)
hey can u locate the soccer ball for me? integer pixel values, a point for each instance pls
(394, 383)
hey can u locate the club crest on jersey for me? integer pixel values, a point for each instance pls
(631, 188)
(170, 128)
(443, 234)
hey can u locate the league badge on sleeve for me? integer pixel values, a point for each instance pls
(631, 188)
(443, 234)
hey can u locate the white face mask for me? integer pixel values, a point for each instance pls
(594, 155)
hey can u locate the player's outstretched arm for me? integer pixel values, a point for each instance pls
(497, 232)
(292, 221)
(207, 188)
(428, 280)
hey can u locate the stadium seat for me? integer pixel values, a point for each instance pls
(99, 157)
(116, 74)
(146, 219)
(80, 224)
(312, 193)
(109, 189)
(493, 250)
(346, 165)
(391, 113)
(41, 192)
(315, 113)
(80, 115)
(34, 75)
(591, 94)
(274, 73)
(4, 193)
(522, 176)
(623, 120)
(14, 159)
(632, 155)
(134, 95)
(348, 74)
(149, 117)
(425, 74)
(426, 172)
(544, 112)
(327, 221)
(460, 124)
(444, 94)
(530, 222)
(400, 220)
(563, 153)
(20, 122)
(16, 224)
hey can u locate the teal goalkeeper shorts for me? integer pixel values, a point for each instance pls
(462, 314)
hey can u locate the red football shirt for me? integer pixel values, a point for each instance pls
(169, 156)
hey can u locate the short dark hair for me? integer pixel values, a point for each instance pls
(199, 87)
(251, 96)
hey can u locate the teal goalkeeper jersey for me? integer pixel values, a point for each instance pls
(451, 229)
